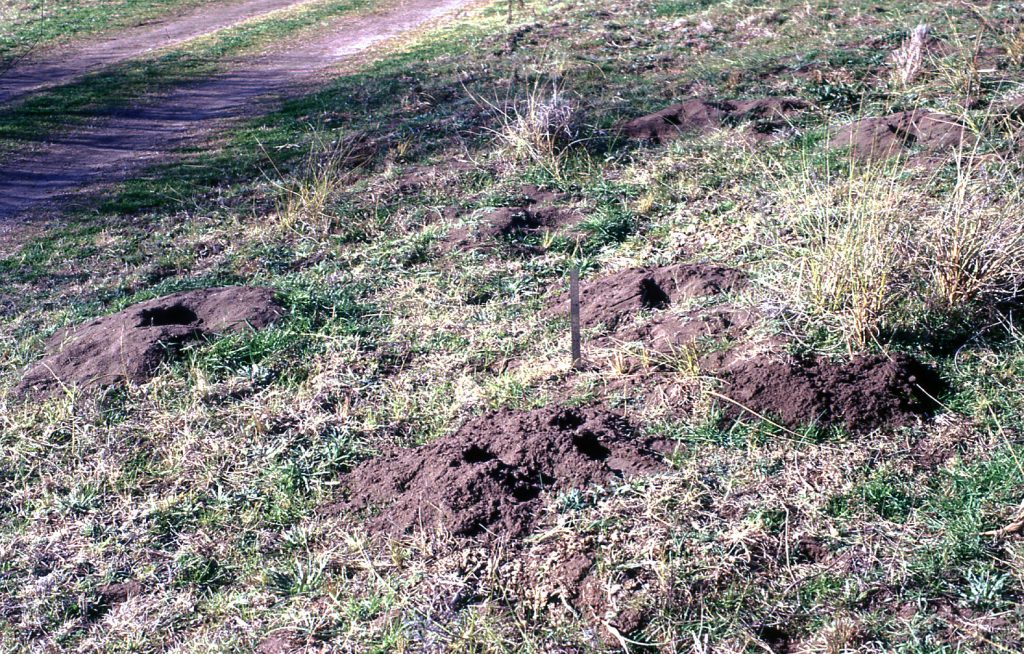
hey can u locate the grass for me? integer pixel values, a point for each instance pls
(206, 484)
(99, 93)
(28, 25)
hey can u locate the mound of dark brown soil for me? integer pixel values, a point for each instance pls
(614, 297)
(766, 115)
(486, 480)
(868, 393)
(884, 136)
(130, 345)
(540, 211)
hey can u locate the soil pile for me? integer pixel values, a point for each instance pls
(611, 299)
(767, 116)
(668, 333)
(868, 393)
(540, 211)
(487, 479)
(130, 345)
(884, 136)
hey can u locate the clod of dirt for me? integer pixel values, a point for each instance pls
(415, 178)
(868, 393)
(540, 211)
(563, 576)
(885, 136)
(810, 549)
(766, 115)
(129, 346)
(612, 298)
(486, 480)
(278, 643)
(118, 593)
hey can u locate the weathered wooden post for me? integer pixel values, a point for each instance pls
(574, 317)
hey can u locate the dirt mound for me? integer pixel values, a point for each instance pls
(868, 393)
(884, 136)
(486, 480)
(130, 345)
(612, 298)
(671, 332)
(539, 211)
(766, 115)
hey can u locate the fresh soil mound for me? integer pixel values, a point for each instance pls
(486, 480)
(670, 332)
(612, 298)
(130, 345)
(884, 136)
(540, 211)
(767, 116)
(868, 393)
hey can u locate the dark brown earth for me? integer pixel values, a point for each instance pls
(867, 393)
(539, 211)
(486, 481)
(766, 116)
(130, 345)
(611, 299)
(884, 136)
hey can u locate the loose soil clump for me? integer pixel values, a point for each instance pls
(540, 211)
(767, 116)
(613, 298)
(130, 345)
(885, 136)
(868, 393)
(486, 481)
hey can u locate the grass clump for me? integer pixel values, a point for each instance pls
(541, 129)
(870, 249)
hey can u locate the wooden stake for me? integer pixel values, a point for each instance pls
(574, 317)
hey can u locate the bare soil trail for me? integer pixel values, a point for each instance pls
(55, 66)
(117, 144)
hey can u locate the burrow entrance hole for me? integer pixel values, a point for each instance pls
(177, 314)
(651, 295)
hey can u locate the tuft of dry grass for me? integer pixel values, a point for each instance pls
(973, 243)
(842, 245)
(305, 201)
(539, 129)
(909, 58)
(1013, 42)
(858, 251)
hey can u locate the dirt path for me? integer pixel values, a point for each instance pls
(118, 144)
(54, 67)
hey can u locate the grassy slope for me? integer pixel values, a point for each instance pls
(203, 484)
